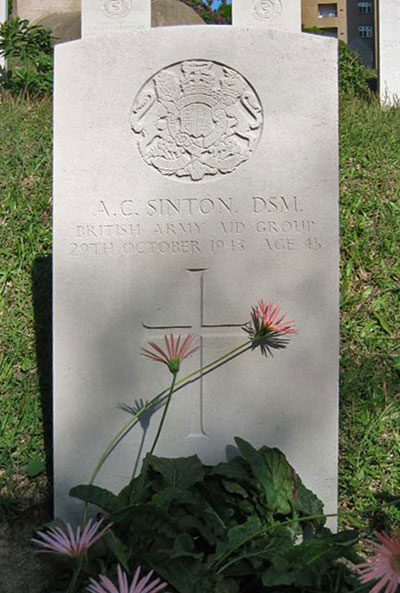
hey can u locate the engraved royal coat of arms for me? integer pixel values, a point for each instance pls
(196, 118)
(267, 9)
(116, 8)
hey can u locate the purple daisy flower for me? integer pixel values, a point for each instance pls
(384, 565)
(144, 585)
(67, 542)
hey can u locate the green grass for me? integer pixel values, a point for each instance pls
(25, 191)
(370, 357)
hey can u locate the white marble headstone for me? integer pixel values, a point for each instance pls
(193, 178)
(272, 14)
(114, 16)
(3, 18)
(389, 50)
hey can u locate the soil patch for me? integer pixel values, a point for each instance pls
(22, 568)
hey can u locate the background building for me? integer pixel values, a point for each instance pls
(361, 29)
(326, 15)
(352, 21)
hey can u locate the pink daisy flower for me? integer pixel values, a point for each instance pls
(272, 320)
(175, 351)
(67, 542)
(384, 565)
(144, 585)
(268, 328)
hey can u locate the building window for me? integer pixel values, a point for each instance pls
(327, 10)
(365, 31)
(365, 8)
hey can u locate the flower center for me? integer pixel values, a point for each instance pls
(395, 562)
(174, 365)
(267, 328)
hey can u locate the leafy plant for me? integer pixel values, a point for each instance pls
(246, 525)
(35, 467)
(353, 77)
(29, 52)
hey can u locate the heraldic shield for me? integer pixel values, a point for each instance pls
(197, 118)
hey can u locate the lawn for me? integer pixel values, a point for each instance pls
(25, 190)
(370, 274)
(370, 357)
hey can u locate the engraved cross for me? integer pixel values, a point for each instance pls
(202, 330)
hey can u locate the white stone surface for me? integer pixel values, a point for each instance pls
(3, 18)
(272, 14)
(139, 252)
(114, 16)
(389, 50)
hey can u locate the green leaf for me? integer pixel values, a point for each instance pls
(26, 363)
(308, 503)
(273, 472)
(136, 491)
(185, 574)
(184, 547)
(278, 574)
(235, 488)
(224, 585)
(240, 533)
(236, 538)
(100, 497)
(204, 528)
(260, 470)
(166, 496)
(282, 476)
(147, 522)
(367, 292)
(309, 563)
(118, 548)
(396, 363)
(181, 472)
(224, 505)
(235, 469)
(35, 467)
(383, 323)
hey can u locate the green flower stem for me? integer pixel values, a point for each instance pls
(262, 532)
(132, 420)
(75, 576)
(150, 454)
(152, 401)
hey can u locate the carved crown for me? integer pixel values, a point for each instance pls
(198, 78)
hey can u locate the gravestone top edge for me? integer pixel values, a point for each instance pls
(223, 30)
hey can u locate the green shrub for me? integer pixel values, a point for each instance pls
(353, 76)
(313, 30)
(247, 525)
(29, 53)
